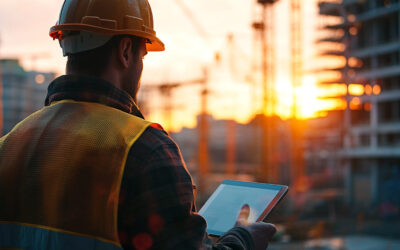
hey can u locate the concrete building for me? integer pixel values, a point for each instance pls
(372, 138)
(23, 92)
(367, 39)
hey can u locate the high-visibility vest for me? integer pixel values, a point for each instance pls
(60, 177)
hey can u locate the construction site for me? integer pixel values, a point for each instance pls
(303, 93)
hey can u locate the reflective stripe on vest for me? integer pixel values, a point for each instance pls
(60, 176)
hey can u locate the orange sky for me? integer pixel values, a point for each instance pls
(24, 26)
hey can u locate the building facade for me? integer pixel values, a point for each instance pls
(372, 138)
(22, 92)
(365, 36)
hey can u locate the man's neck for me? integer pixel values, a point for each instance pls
(107, 75)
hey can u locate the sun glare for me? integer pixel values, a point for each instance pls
(312, 99)
(307, 98)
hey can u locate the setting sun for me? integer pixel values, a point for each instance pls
(312, 99)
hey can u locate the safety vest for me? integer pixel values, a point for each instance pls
(60, 177)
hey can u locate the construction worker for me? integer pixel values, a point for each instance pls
(87, 171)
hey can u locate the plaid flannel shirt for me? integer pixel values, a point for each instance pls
(156, 206)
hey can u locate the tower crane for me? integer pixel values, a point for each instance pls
(297, 162)
(264, 28)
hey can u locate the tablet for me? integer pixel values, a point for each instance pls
(222, 208)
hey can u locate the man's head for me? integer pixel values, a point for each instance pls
(107, 39)
(119, 61)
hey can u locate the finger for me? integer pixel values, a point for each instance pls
(244, 212)
(244, 215)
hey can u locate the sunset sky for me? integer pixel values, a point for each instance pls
(24, 26)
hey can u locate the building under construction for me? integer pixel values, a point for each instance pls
(370, 154)
(372, 150)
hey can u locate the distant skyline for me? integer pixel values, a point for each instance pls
(24, 26)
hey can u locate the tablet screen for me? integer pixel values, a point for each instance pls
(222, 208)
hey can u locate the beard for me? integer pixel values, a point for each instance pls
(131, 82)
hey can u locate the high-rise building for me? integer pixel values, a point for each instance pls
(23, 92)
(364, 37)
(372, 139)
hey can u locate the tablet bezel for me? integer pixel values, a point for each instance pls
(282, 192)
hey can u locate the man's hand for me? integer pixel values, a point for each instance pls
(261, 232)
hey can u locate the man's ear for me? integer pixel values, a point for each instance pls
(125, 51)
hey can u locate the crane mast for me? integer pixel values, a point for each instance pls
(264, 28)
(296, 20)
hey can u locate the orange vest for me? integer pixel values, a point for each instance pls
(60, 176)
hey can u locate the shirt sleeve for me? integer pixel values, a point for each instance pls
(156, 209)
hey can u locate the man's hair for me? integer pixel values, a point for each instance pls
(97, 60)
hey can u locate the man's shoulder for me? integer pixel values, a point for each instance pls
(153, 141)
(156, 151)
(152, 138)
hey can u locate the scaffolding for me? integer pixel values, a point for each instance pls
(335, 24)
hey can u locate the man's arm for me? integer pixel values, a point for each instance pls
(156, 201)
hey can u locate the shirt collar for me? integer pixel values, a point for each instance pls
(91, 89)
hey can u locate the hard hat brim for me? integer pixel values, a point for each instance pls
(155, 45)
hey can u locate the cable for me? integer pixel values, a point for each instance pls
(190, 15)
